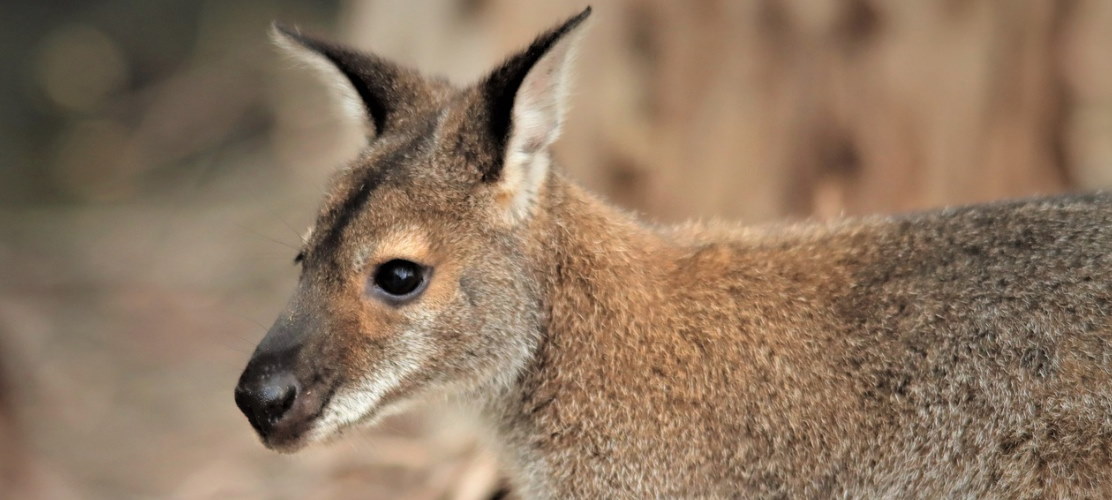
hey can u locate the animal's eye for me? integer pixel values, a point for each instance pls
(399, 278)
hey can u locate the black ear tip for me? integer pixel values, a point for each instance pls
(579, 18)
(550, 37)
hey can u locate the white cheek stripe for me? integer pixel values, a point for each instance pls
(348, 407)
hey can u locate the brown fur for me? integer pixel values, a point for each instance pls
(959, 353)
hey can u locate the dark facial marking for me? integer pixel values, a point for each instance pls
(393, 166)
(343, 214)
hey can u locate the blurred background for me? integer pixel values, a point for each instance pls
(159, 159)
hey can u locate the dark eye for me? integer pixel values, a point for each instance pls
(399, 278)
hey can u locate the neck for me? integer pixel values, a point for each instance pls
(589, 254)
(599, 270)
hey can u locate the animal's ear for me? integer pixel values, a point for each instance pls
(525, 100)
(377, 90)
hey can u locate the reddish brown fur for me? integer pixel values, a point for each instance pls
(961, 353)
(832, 361)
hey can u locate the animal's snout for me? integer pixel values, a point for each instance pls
(266, 398)
(281, 402)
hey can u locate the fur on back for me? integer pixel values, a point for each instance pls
(964, 352)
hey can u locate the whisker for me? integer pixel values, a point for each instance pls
(299, 235)
(267, 237)
(238, 349)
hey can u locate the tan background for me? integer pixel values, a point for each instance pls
(158, 159)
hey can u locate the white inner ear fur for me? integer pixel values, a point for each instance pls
(343, 93)
(538, 115)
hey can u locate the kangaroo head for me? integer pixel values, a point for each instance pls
(413, 279)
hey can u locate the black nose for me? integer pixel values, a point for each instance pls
(265, 400)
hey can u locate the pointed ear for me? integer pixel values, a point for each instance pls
(378, 90)
(525, 101)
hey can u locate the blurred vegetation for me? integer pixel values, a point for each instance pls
(109, 101)
(159, 159)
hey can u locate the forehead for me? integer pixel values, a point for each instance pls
(387, 167)
(402, 179)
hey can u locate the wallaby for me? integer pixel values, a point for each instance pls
(959, 353)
